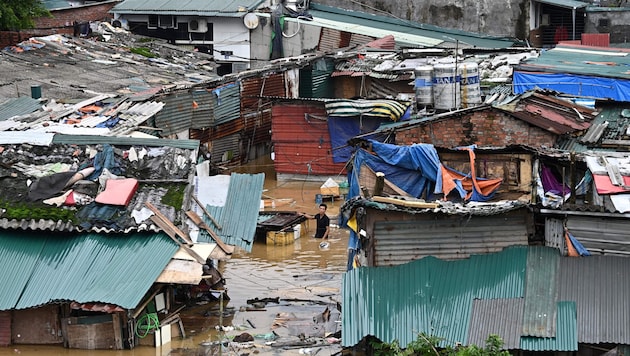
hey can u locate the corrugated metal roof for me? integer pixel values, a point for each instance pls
(549, 113)
(566, 338)
(426, 295)
(154, 142)
(405, 32)
(569, 4)
(600, 286)
(191, 7)
(239, 216)
(540, 301)
(588, 61)
(114, 269)
(18, 106)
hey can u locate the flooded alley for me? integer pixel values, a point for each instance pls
(276, 292)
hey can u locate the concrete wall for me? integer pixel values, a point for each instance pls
(615, 21)
(498, 18)
(485, 128)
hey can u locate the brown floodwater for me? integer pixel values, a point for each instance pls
(302, 276)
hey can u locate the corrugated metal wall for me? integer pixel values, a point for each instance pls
(315, 82)
(600, 286)
(301, 140)
(226, 148)
(177, 113)
(226, 101)
(5, 328)
(399, 241)
(254, 88)
(203, 114)
(599, 235)
(331, 39)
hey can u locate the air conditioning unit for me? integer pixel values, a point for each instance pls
(198, 25)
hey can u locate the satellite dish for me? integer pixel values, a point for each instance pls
(250, 20)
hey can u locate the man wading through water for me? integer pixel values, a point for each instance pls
(323, 222)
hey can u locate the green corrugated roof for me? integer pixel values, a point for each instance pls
(191, 7)
(239, 216)
(565, 339)
(611, 63)
(114, 269)
(427, 295)
(427, 35)
(542, 291)
(18, 106)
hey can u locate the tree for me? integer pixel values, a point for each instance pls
(19, 14)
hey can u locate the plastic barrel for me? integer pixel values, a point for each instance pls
(446, 86)
(470, 86)
(36, 91)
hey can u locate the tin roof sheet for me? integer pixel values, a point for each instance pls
(238, 217)
(566, 337)
(569, 4)
(191, 7)
(114, 269)
(18, 106)
(405, 32)
(582, 60)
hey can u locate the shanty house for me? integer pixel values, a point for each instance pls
(218, 28)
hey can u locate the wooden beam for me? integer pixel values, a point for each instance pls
(173, 237)
(216, 223)
(196, 219)
(165, 220)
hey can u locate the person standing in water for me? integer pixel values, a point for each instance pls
(323, 222)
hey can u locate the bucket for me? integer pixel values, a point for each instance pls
(36, 91)
(446, 86)
(470, 86)
(424, 86)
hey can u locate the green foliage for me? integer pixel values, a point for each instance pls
(428, 345)
(19, 14)
(143, 51)
(36, 211)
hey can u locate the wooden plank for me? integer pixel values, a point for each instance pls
(118, 337)
(205, 211)
(170, 225)
(159, 222)
(199, 222)
(407, 203)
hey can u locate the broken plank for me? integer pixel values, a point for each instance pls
(173, 237)
(196, 219)
(216, 223)
(407, 203)
(171, 226)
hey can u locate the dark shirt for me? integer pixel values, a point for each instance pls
(322, 224)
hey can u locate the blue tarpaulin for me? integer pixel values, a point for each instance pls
(341, 129)
(596, 87)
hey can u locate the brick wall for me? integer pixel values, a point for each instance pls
(60, 22)
(485, 128)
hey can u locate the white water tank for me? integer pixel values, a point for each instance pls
(423, 84)
(470, 85)
(446, 87)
